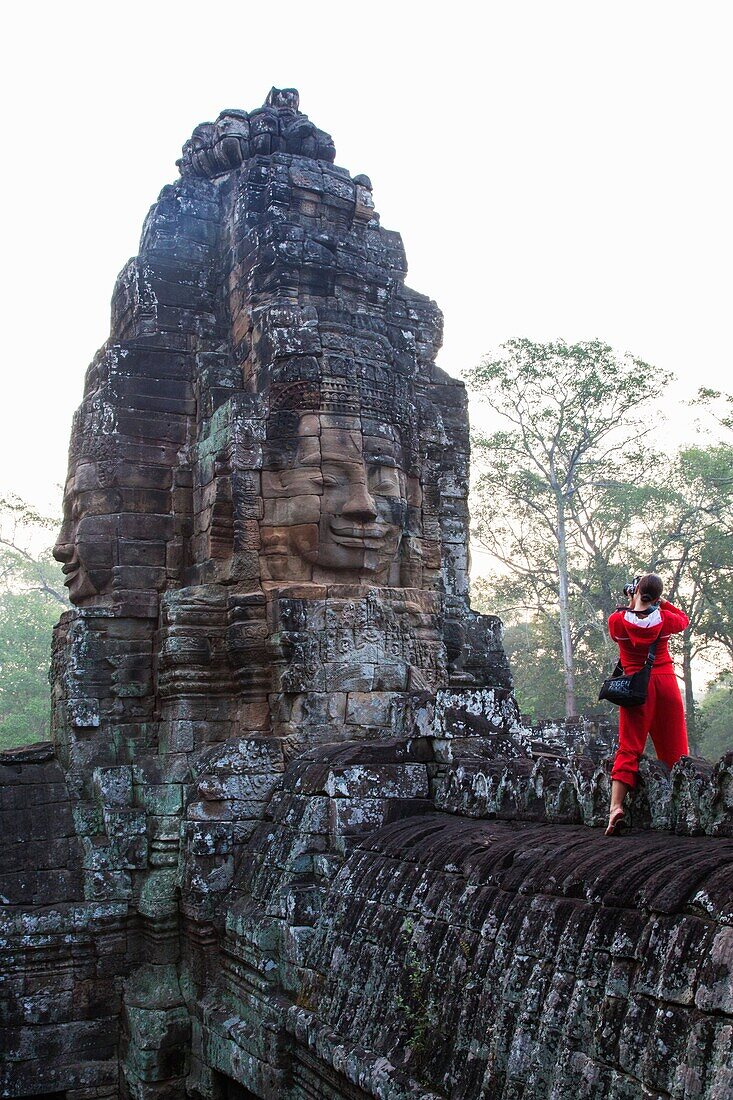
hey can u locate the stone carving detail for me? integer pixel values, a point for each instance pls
(215, 149)
(289, 795)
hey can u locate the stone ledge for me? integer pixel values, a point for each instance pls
(35, 752)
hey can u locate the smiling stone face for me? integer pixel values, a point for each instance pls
(335, 510)
(85, 543)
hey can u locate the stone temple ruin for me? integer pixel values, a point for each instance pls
(291, 839)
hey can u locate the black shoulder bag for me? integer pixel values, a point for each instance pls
(629, 691)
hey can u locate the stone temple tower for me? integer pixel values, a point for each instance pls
(268, 473)
(262, 856)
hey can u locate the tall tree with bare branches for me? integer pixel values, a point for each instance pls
(575, 424)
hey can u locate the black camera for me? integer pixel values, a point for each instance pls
(631, 587)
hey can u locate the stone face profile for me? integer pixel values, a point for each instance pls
(292, 839)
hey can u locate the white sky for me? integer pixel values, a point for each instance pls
(556, 168)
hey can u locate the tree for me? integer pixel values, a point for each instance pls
(553, 493)
(21, 568)
(716, 718)
(713, 468)
(535, 657)
(692, 546)
(31, 598)
(717, 406)
(26, 623)
(533, 647)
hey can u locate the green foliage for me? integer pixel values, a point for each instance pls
(26, 622)
(702, 552)
(716, 406)
(414, 1000)
(572, 501)
(559, 483)
(716, 718)
(32, 597)
(534, 651)
(693, 550)
(534, 655)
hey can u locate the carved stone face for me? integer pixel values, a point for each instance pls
(337, 510)
(85, 542)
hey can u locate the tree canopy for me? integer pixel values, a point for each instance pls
(574, 496)
(32, 597)
(549, 485)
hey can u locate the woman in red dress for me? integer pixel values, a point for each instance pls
(647, 619)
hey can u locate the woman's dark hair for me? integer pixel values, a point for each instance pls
(650, 587)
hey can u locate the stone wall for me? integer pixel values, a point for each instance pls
(397, 951)
(63, 944)
(492, 959)
(364, 941)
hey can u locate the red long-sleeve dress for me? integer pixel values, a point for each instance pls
(662, 716)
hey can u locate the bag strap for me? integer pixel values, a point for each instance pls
(619, 669)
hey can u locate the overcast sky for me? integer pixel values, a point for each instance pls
(556, 168)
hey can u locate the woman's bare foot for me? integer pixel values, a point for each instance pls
(615, 821)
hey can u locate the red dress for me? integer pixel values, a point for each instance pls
(662, 716)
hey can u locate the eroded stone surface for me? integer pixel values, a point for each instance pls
(291, 839)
